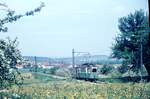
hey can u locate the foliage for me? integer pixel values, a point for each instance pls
(9, 57)
(34, 68)
(51, 70)
(106, 69)
(63, 72)
(48, 87)
(11, 16)
(108, 61)
(82, 90)
(133, 40)
(123, 68)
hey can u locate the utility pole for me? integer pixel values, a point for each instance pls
(35, 60)
(73, 63)
(141, 54)
(73, 58)
(49, 61)
(141, 50)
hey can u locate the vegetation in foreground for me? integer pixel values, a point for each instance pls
(56, 88)
(82, 90)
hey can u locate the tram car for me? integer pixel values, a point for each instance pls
(86, 71)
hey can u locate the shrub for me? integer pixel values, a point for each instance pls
(63, 72)
(51, 70)
(122, 69)
(106, 69)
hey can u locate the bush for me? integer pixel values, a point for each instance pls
(122, 69)
(64, 72)
(106, 69)
(51, 70)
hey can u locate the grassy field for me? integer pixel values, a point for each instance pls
(54, 88)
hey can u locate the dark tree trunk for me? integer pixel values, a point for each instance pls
(147, 66)
(149, 10)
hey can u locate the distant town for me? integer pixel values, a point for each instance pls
(46, 62)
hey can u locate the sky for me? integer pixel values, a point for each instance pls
(85, 25)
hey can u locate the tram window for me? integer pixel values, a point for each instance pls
(94, 70)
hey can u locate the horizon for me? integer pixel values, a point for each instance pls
(65, 57)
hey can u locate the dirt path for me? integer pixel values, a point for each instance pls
(54, 76)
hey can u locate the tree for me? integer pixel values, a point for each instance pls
(11, 16)
(10, 56)
(131, 45)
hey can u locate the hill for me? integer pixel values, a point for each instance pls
(99, 59)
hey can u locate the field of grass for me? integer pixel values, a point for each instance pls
(72, 89)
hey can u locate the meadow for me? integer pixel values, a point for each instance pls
(54, 88)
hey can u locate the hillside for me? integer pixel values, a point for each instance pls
(101, 59)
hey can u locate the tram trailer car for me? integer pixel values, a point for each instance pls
(86, 71)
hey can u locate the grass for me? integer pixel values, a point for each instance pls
(84, 90)
(73, 89)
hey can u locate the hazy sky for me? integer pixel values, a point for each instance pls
(85, 25)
